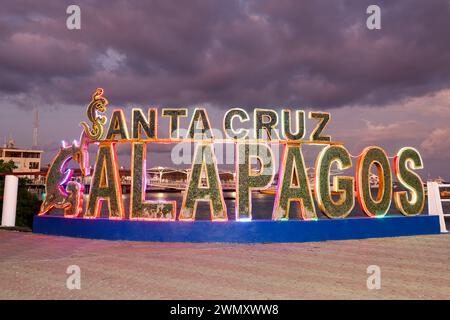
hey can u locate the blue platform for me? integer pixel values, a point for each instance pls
(257, 231)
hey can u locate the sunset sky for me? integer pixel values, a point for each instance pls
(388, 87)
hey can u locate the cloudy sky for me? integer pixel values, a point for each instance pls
(388, 87)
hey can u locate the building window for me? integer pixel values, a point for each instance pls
(13, 154)
(34, 155)
(34, 165)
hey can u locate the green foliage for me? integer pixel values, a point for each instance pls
(374, 156)
(293, 160)
(7, 167)
(27, 206)
(204, 158)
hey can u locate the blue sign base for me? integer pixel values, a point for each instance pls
(257, 231)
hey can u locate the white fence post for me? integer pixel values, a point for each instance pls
(435, 203)
(10, 201)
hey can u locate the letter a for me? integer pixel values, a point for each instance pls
(73, 21)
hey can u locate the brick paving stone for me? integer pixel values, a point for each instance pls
(34, 267)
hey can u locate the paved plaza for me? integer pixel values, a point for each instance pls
(34, 267)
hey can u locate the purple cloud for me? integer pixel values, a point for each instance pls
(248, 53)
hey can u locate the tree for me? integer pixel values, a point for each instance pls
(7, 167)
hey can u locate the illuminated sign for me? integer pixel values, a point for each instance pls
(250, 146)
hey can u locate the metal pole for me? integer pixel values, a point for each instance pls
(10, 201)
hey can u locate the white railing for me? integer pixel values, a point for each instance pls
(435, 202)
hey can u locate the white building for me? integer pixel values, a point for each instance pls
(26, 160)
